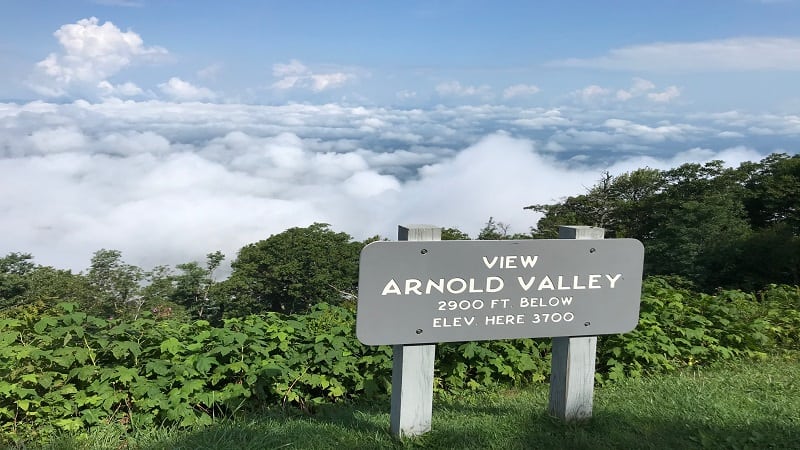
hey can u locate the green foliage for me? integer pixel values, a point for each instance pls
(716, 226)
(454, 234)
(196, 289)
(678, 328)
(71, 371)
(290, 271)
(478, 365)
(115, 284)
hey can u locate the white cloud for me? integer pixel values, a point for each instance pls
(591, 93)
(639, 89)
(126, 89)
(667, 95)
(640, 86)
(297, 75)
(734, 54)
(90, 53)
(543, 119)
(181, 90)
(456, 89)
(168, 182)
(520, 90)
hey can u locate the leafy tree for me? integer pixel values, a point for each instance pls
(768, 256)
(493, 231)
(617, 204)
(773, 191)
(193, 287)
(29, 290)
(454, 234)
(116, 285)
(292, 270)
(13, 283)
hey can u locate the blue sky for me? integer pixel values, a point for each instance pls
(398, 53)
(170, 129)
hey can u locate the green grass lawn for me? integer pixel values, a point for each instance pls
(738, 405)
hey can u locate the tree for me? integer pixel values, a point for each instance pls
(773, 192)
(27, 289)
(194, 284)
(615, 203)
(454, 234)
(116, 285)
(13, 283)
(292, 270)
(493, 231)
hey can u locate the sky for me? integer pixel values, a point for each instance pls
(171, 129)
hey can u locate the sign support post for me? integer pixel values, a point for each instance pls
(412, 365)
(572, 369)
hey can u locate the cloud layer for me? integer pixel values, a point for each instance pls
(168, 182)
(735, 54)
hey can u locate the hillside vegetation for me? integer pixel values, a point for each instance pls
(118, 344)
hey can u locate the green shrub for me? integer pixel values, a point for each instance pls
(68, 371)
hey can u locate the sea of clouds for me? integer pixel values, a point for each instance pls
(168, 182)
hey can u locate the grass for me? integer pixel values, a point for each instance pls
(741, 404)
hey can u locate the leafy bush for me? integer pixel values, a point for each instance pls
(678, 327)
(73, 371)
(70, 371)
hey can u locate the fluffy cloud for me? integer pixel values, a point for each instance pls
(296, 75)
(639, 89)
(591, 93)
(167, 182)
(181, 90)
(667, 95)
(640, 86)
(126, 89)
(456, 89)
(735, 54)
(90, 53)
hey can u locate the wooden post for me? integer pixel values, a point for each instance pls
(412, 365)
(572, 369)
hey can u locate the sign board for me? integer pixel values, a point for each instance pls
(419, 292)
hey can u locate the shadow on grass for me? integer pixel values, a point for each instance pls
(480, 427)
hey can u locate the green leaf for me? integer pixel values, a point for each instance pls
(172, 346)
(43, 323)
(204, 363)
(157, 366)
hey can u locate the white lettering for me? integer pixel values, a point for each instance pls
(546, 283)
(498, 300)
(613, 280)
(391, 288)
(594, 281)
(507, 319)
(412, 285)
(575, 284)
(498, 287)
(452, 322)
(433, 285)
(510, 261)
(488, 264)
(529, 261)
(524, 285)
(459, 290)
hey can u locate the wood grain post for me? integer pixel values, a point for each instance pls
(572, 369)
(412, 365)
